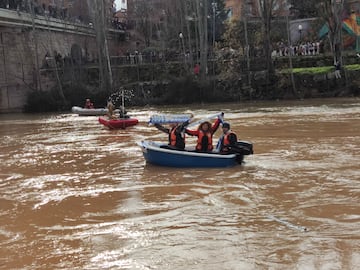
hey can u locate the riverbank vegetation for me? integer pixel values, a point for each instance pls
(319, 70)
(311, 82)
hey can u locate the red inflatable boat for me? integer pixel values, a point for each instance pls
(118, 123)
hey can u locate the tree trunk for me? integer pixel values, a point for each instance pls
(191, 60)
(247, 48)
(52, 54)
(203, 34)
(99, 23)
(266, 8)
(37, 66)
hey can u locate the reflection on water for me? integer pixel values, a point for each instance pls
(75, 195)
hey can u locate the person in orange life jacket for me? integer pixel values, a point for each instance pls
(227, 139)
(88, 104)
(204, 133)
(176, 134)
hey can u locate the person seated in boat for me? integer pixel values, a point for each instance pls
(111, 114)
(88, 104)
(176, 134)
(205, 134)
(123, 112)
(228, 139)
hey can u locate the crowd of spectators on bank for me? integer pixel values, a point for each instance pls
(156, 56)
(304, 48)
(39, 9)
(117, 24)
(137, 57)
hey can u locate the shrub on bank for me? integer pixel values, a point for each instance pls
(42, 101)
(50, 101)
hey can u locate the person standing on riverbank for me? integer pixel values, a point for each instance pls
(337, 70)
(197, 70)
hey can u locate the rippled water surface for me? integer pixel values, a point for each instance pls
(74, 195)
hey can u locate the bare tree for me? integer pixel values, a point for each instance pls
(266, 8)
(53, 56)
(247, 46)
(202, 17)
(188, 17)
(330, 12)
(99, 22)
(143, 13)
(34, 32)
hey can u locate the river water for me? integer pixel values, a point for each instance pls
(74, 195)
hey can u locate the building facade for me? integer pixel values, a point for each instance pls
(251, 8)
(239, 8)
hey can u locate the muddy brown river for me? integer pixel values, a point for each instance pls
(74, 195)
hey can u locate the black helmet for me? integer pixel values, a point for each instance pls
(226, 125)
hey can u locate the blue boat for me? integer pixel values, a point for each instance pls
(164, 155)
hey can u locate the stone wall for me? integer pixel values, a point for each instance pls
(28, 48)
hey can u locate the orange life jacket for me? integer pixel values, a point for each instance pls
(172, 136)
(226, 141)
(200, 138)
(226, 138)
(175, 138)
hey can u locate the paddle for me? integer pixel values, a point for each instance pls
(288, 224)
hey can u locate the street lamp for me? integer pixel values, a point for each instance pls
(181, 36)
(300, 28)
